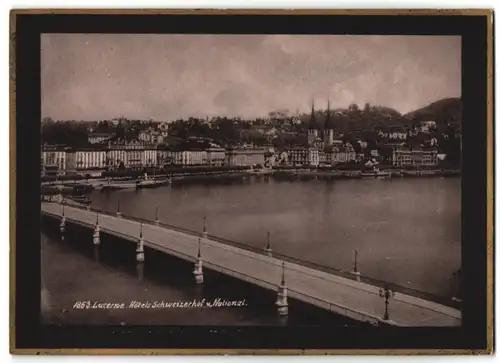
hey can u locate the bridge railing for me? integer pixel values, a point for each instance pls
(294, 294)
(336, 308)
(341, 273)
(342, 310)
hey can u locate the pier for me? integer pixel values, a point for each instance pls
(347, 297)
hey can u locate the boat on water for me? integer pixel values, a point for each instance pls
(152, 183)
(263, 171)
(119, 184)
(133, 183)
(373, 171)
(375, 174)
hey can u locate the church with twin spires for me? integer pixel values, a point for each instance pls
(321, 137)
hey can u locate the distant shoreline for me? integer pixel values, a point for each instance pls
(67, 186)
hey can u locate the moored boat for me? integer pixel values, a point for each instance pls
(375, 174)
(373, 171)
(151, 183)
(126, 184)
(260, 172)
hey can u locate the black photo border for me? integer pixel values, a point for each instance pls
(475, 336)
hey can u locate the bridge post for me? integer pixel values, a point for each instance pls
(157, 220)
(355, 267)
(118, 213)
(268, 246)
(198, 266)
(205, 234)
(97, 231)
(62, 225)
(282, 300)
(140, 248)
(386, 294)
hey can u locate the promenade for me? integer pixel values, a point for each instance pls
(347, 297)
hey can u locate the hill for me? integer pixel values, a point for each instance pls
(444, 111)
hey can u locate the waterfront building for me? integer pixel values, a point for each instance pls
(53, 160)
(99, 137)
(175, 157)
(127, 154)
(313, 157)
(87, 159)
(165, 155)
(192, 157)
(149, 156)
(324, 157)
(415, 156)
(186, 155)
(340, 152)
(429, 156)
(134, 158)
(297, 156)
(216, 155)
(116, 157)
(246, 157)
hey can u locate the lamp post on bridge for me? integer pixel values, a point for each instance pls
(157, 220)
(97, 231)
(198, 265)
(268, 246)
(282, 300)
(62, 226)
(118, 213)
(355, 266)
(140, 248)
(386, 294)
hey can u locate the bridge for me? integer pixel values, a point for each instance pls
(348, 297)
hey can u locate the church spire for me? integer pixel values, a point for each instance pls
(328, 122)
(312, 122)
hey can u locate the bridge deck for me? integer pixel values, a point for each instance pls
(350, 298)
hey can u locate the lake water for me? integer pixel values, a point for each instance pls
(406, 231)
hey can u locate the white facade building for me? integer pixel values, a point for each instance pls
(149, 157)
(216, 155)
(116, 156)
(53, 161)
(89, 159)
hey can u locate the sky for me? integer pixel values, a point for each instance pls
(165, 77)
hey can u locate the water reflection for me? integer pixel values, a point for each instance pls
(140, 271)
(96, 253)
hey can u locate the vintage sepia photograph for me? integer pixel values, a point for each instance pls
(249, 180)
